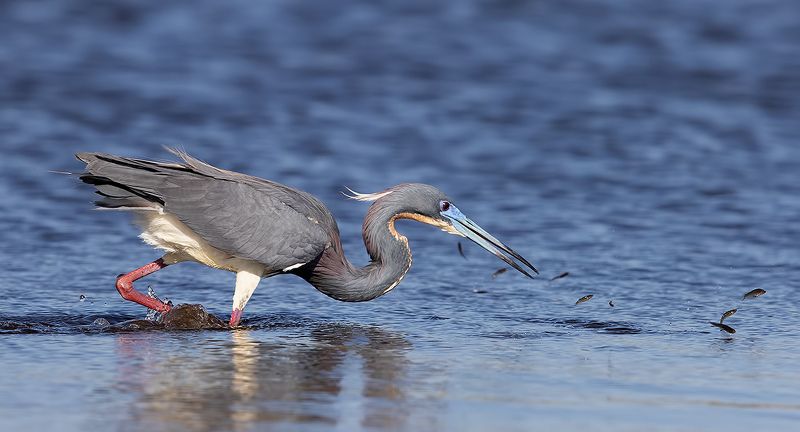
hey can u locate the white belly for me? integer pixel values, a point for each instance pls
(164, 231)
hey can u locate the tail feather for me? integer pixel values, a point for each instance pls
(122, 182)
(128, 183)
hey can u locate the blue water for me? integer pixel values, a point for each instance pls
(650, 149)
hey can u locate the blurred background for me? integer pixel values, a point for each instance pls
(648, 148)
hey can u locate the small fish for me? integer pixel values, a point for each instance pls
(758, 292)
(499, 272)
(461, 251)
(584, 299)
(479, 291)
(611, 303)
(82, 298)
(562, 275)
(727, 315)
(724, 327)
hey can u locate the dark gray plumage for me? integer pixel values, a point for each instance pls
(390, 256)
(233, 212)
(276, 228)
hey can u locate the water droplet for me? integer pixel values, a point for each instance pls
(101, 322)
(152, 315)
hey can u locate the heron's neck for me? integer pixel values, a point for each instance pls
(390, 259)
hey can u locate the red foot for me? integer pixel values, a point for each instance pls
(126, 290)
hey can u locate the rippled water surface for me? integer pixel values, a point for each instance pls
(650, 149)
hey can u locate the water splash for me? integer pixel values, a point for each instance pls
(153, 315)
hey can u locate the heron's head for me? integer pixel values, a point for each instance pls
(427, 204)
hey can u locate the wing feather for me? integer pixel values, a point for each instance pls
(245, 216)
(246, 222)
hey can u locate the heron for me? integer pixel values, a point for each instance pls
(258, 228)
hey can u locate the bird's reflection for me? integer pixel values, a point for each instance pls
(245, 369)
(239, 379)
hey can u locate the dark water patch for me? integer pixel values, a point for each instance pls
(617, 348)
(277, 321)
(621, 330)
(16, 327)
(612, 327)
(716, 192)
(53, 323)
(604, 327)
(508, 335)
(607, 328)
(181, 317)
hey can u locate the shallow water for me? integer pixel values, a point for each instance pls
(650, 150)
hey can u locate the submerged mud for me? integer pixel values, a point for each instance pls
(190, 317)
(181, 317)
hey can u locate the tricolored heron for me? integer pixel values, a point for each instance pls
(258, 228)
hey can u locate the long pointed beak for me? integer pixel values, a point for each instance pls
(469, 229)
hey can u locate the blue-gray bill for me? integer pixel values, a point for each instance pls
(478, 235)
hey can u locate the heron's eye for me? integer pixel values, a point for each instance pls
(444, 205)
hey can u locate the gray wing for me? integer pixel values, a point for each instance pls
(242, 215)
(245, 222)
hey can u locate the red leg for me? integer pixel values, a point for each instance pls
(126, 290)
(236, 316)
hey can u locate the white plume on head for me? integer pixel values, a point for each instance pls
(365, 197)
